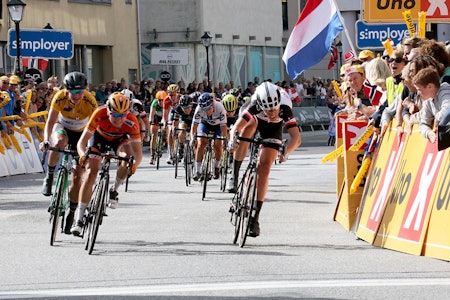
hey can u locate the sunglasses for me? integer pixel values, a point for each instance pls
(117, 115)
(385, 57)
(206, 108)
(397, 60)
(74, 92)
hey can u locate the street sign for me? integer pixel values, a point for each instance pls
(165, 76)
(170, 56)
(390, 11)
(371, 36)
(42, 43)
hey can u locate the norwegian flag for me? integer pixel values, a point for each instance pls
(293, 95)
(374, 93)
(36, 63)
(350, 56)
(333, 56)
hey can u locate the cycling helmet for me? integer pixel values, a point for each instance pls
(161, 95)
(128, 93)
(234, 91)
(185, 101)
(118, 102)
(230, 102)
(205, 100)
(246, 98)
(173, 88)
(268, 96)
(75, 81)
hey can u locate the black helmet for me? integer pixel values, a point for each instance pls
(75, 81)
(185, 101)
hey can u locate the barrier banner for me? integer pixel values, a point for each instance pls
(29, 154)
(14, 162)
(378, 181)
(401, 226)
(340, 160)
(348, 204)
(437, 240)
(3, 167)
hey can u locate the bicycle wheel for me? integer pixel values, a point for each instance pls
(56, 203)
(97, 213)
(186, 159)
(176, 156)
(206, 170)
(247, 209)
(224, 170)
(158, 148)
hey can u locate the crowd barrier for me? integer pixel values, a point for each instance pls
(21, 158)
(403, 201)
(312, 118)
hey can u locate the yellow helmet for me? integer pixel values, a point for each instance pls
(4, 98)
(161, 95)
(229, 102)
(173, 88)
(118, 102)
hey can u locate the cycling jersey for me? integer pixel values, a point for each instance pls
(177, 113)
(137, 108)
(73, 117)
(168, 102)
(218, 117)
(157, 107)
(100, 122)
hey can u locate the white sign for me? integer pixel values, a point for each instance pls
(170, 56)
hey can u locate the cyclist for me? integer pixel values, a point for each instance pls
(172, 100)
(156, 113)
(209, 117)
(231, 105)
(267, 114)
(183, 115)
(115, 126)
(69, 113)
(137, 109)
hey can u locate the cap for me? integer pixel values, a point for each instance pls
(354, 69)
(366, 54)
(344, 66)
(14, 80)
(4, 77)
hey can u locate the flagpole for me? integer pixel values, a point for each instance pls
(345, 28)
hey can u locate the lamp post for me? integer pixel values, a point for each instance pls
(206, 41)
(16, 8)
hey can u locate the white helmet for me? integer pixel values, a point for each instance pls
(128, 93)
(268, 96)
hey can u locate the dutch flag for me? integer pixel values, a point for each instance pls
(311, 39)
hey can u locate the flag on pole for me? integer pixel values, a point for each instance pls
(316, 28)
(333, 56)
(36, 63)
(350, 56)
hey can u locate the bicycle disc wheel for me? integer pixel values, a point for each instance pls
(247, 207)
(205, 171)
(96, 214)
(57, 200)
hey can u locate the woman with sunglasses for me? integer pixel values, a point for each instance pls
(70, 110)
(112, 126)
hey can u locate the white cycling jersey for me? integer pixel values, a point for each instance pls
(218, 117)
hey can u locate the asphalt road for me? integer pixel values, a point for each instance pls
(163, 242)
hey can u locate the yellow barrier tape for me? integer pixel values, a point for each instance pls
(388, 46)
(15, 143)
(360, 175)
(2, 149)
(9, 118)
(27, 103)
(409, 22)
(37, 114)
(422, 23)
(362, 139)
(333, 155)
(337, 89)
(7, 141)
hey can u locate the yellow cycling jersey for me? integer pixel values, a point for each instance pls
(73, 117)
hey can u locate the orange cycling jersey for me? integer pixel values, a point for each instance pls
(73, 117)
(100, 122)
(168, 102)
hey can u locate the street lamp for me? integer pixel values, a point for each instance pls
(16, 8)
(206, 41)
